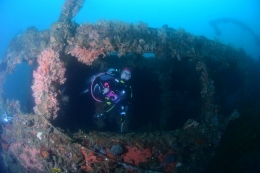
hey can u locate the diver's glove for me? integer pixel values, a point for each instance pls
(122, 116)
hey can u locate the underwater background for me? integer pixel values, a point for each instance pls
(193, 16)
(233, 23)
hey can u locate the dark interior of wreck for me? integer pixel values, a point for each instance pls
(194, 100)
(147, 106)
(159, 85)
(182, 100)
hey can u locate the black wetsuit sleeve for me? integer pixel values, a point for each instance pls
(103, 81)
(97, 88)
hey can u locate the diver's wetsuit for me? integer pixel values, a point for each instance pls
(119, 95)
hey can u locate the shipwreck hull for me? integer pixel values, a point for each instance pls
(36, 141)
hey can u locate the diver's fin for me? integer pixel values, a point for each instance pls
(121, 127)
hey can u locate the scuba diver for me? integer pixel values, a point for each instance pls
(4, 118)
(112, 89)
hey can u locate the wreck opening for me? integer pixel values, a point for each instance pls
(17, 86)
(182, 100)
(155, 83)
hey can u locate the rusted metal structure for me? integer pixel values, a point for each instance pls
(31, 143)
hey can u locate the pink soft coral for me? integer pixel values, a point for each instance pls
(49, 74)
(136, 156)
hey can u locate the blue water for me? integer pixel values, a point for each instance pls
(191, 15)
(16, 85)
